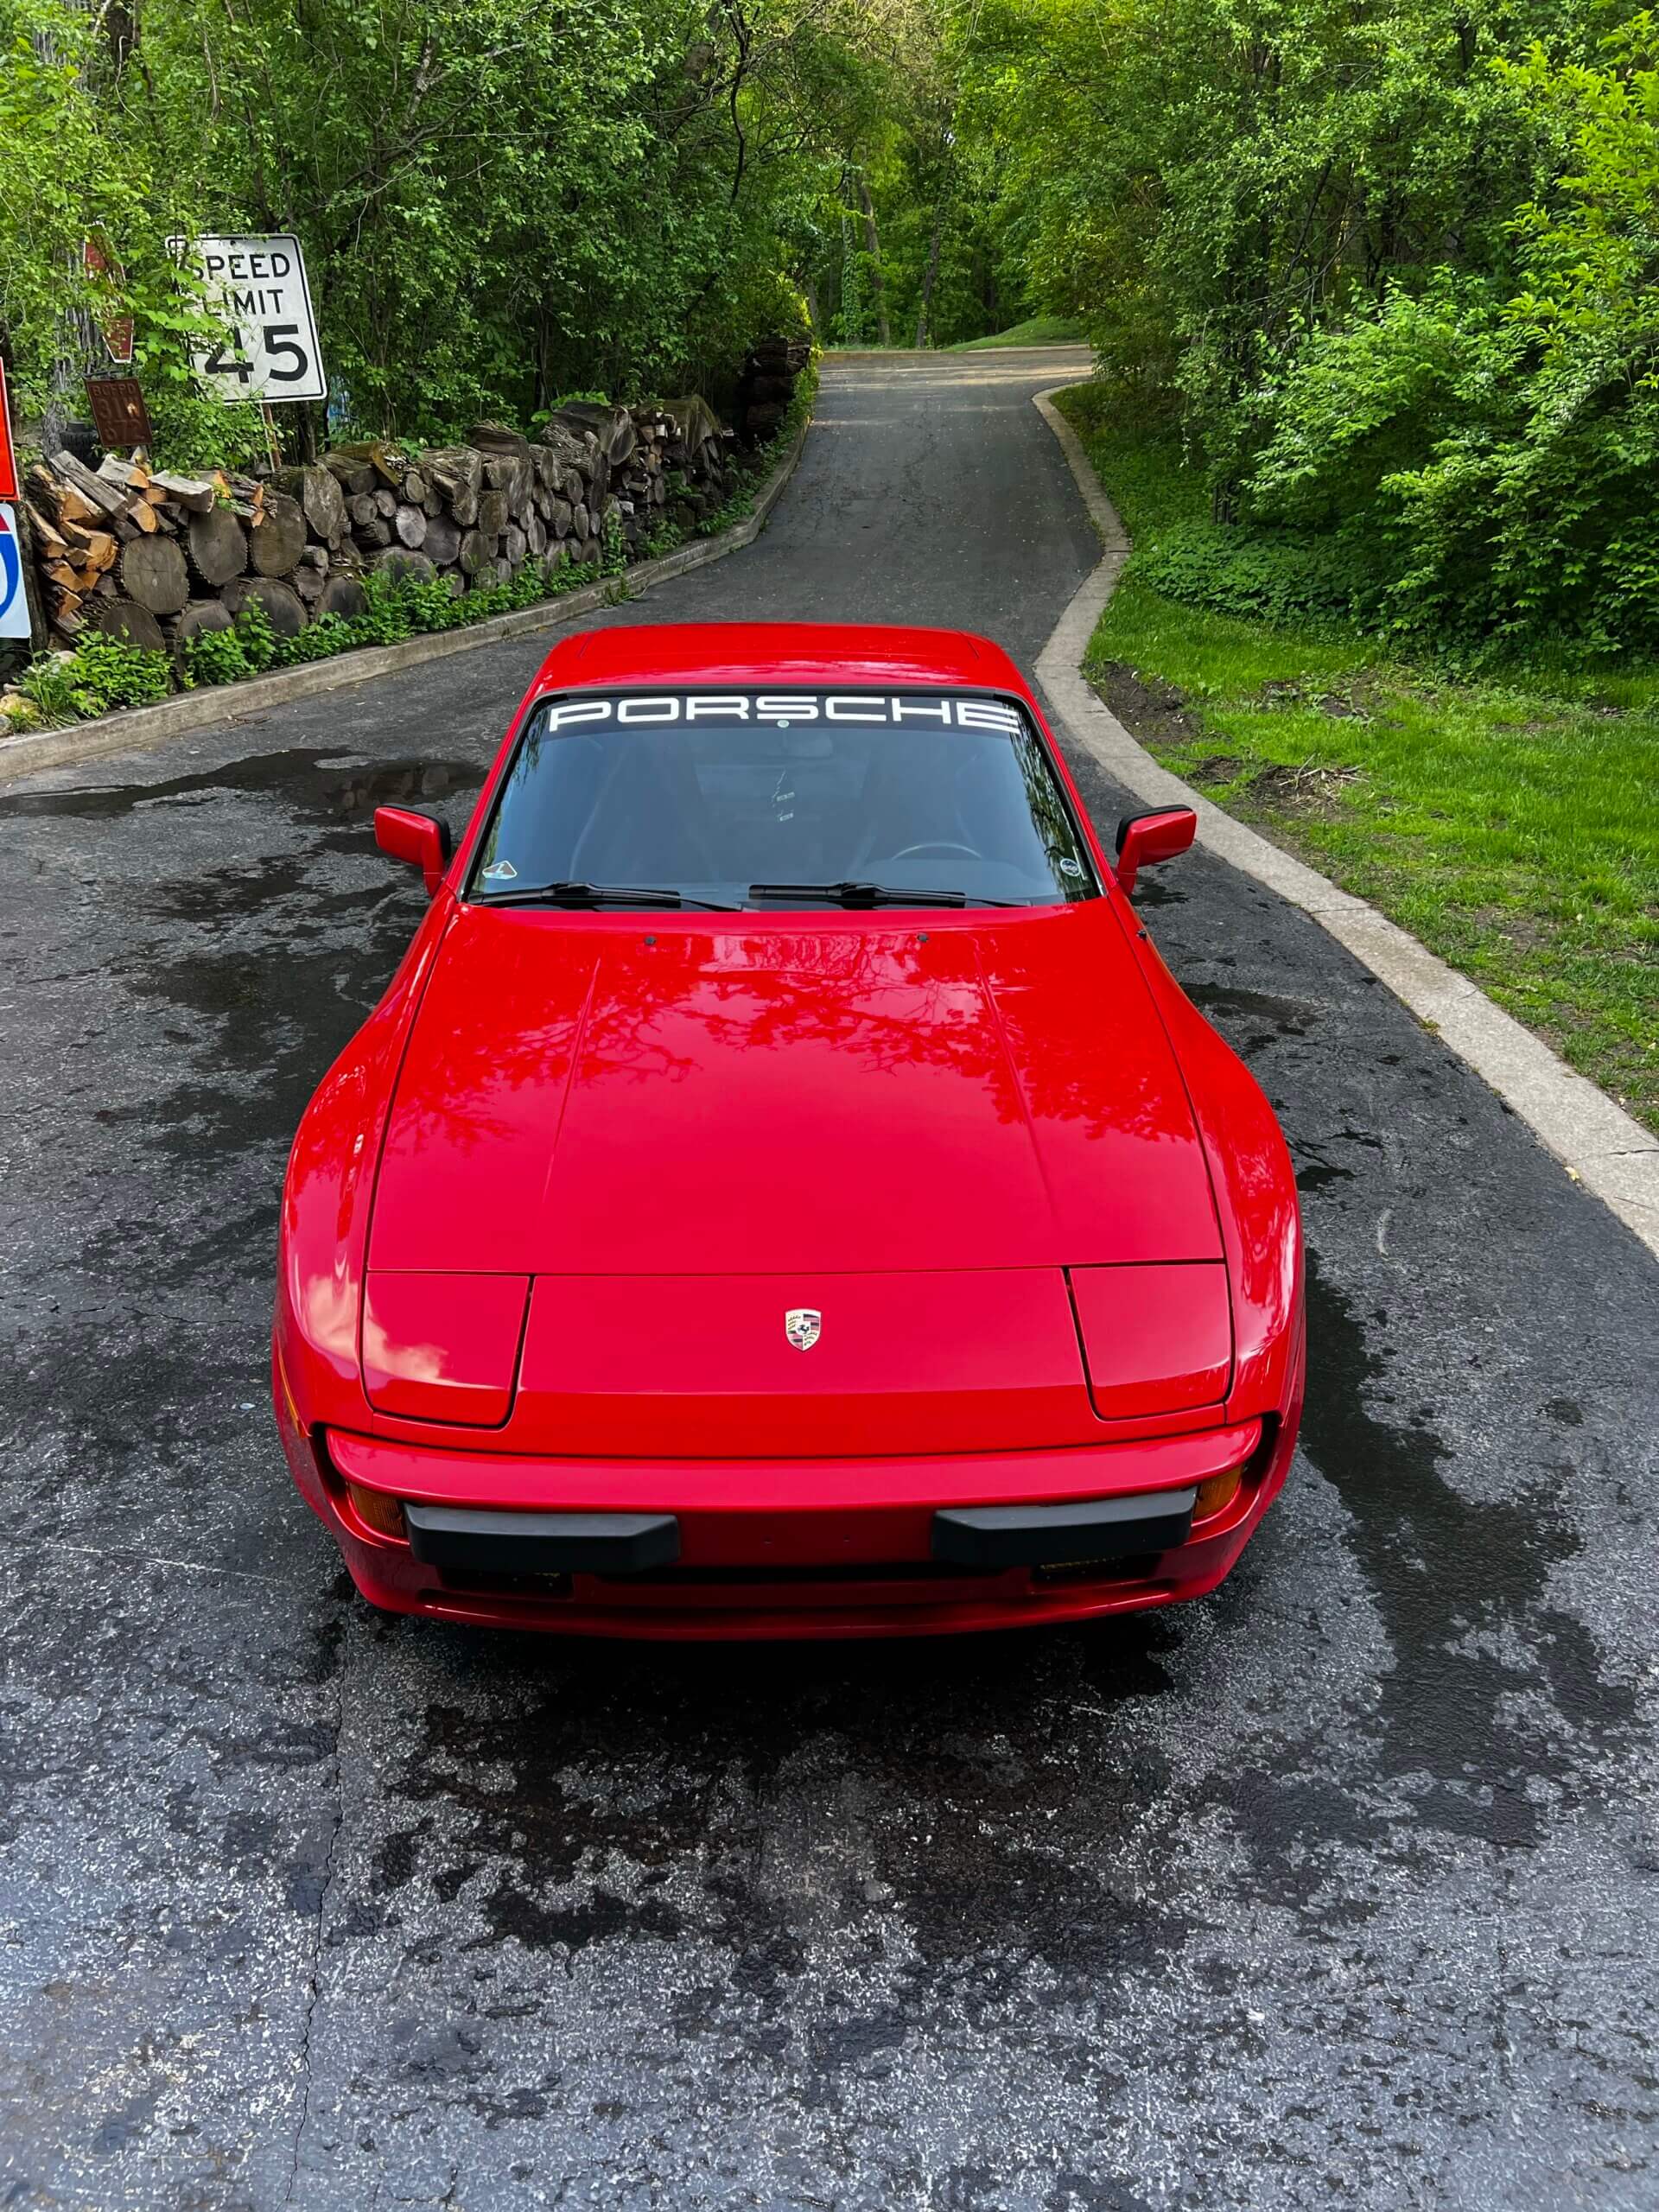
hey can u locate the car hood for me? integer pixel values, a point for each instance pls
(600, 1096)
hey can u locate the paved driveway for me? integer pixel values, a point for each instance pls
(1339, 1888)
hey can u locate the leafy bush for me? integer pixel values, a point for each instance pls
(1291, 580)
(1356, 406)
(1392, 273)
(101, 674)
(215, 657)
(662, 538)
(49, 688)
(385, 620)
(98, 677)
(109, 673)
(319, 641)
(730, 511)
(428, 607)
(258, 640)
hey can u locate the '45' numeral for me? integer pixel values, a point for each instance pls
(217, 365)
(277, 343)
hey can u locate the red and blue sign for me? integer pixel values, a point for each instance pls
(14, 599)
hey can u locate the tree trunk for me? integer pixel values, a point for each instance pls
(872, 249)
(929, 276)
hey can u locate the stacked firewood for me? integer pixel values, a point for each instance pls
(158, 559)
(121, 548)
(766, 385)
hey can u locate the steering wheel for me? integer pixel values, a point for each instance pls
(936, 845)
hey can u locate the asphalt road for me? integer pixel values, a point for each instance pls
(1340, 1888)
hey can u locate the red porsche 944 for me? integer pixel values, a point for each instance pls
(783, 1192)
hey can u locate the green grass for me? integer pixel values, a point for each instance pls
(1037, 330)
(1511, 823)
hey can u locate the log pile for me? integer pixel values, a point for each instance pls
(158, 559)
(115, 547)
(766, 385)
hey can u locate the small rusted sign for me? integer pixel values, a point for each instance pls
(118, 409)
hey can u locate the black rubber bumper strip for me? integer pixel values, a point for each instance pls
(463, 1541)
(1061, 1535)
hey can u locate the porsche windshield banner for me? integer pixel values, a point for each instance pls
(781, 710)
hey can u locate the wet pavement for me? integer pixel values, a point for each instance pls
(1339, 1888)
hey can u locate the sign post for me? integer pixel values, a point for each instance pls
(101, 264)
(255, 287)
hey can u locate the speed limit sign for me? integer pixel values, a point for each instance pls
(255, 287)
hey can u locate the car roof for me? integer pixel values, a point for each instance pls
(773, 652)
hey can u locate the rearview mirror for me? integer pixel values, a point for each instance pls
(1144, 838)
(407, 835)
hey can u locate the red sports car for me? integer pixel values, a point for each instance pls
(783, 1192)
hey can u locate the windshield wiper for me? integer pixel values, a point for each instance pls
(863, 894)
(602, 894)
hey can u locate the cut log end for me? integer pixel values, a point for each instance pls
(153, 573)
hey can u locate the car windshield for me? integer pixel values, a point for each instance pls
(772, 800)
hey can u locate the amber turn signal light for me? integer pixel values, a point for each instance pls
(1217, 1491)
(376, 1511)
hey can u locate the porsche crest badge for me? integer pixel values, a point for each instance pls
(801, 1326)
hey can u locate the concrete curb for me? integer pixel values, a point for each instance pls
(140, 728)
(1600, 1145)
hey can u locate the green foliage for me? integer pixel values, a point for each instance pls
(256, 638)
(429, 606)
(101, 674)
(662, 538)
(1276, 576)
(1507, 822)
(215, 657)
(1388, 272)
(49, 687)
(108, 673)
(613, 546)
(501, 204)
(249, 647)
(318, 640)
(387, 620)
(918, 243)
(1035, 330)
(734, 509)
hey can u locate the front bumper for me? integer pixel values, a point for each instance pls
(807, 1549)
